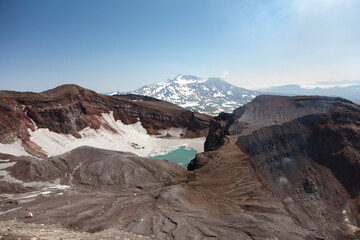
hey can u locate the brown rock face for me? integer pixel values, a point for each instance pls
(307, 150)
(70, 108)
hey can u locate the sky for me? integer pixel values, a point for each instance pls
(109, 45)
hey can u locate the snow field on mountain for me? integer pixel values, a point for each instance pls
(127, 138)
(204, 95)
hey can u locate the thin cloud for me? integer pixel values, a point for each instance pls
(225, 73)
(338, 82)
(306, 8)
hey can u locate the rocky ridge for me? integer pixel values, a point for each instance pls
(328, 89)
(69, 108)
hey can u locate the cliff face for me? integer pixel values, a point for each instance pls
(307, 150)
(219, 127)
(69, 108)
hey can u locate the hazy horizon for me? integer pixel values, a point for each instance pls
(122, 45)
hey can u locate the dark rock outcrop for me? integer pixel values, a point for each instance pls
(307, 150)
(219, 127)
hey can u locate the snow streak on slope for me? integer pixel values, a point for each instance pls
(128, 138)
(205, 95)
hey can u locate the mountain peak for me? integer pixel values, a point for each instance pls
(186, 76)
(183, 79)
(205, 95)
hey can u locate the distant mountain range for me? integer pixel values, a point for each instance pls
(204, 95)
(214, 95)
(351, 93)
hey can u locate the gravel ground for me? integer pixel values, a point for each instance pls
(16, 230)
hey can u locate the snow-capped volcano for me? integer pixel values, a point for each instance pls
(205, 95)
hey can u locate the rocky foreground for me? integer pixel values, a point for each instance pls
(277, 168)
(16, 230)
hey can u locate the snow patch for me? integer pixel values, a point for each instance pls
(286, 160)
(346, 218)
(14, 148)
(44, 187)
(11, 210)
(115, 93)
(184, 81)
(189, 104)
(283, 181)
(218, 94)
(38, 185)
(6, 165)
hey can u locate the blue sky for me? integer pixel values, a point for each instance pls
(109, 45)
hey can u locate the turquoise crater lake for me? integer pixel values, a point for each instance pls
(181, 156)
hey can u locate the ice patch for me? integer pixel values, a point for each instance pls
(157, 152)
